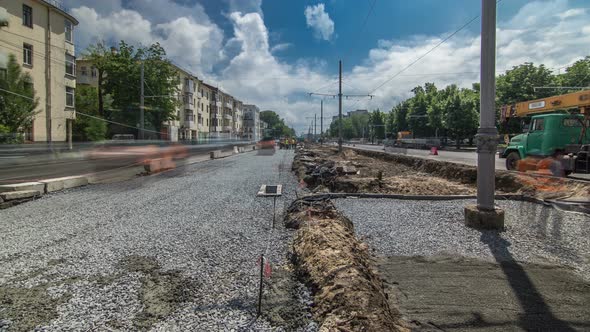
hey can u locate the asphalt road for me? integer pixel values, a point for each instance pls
(31, 166)
(462, 157)
(175, 251)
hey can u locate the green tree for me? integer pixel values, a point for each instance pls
(518, 84)
(99, 56)
(17, 101)
(276, 124)
(377, 125)
(577, 75)
(88, 125)
(417, 114)
(360, 125)
(461, 118)
(122, 82)
(348, 131)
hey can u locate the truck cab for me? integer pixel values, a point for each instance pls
(548, 135)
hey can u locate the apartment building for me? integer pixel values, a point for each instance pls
(187, 112)
(238, 119)
(40, 33)
(251, 122)
(222, 114)
(205, 113)
(227, 128)
(86, 73)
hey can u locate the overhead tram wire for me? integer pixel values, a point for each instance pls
(427, 52)
(360, 30)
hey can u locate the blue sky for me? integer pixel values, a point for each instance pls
(271, 52)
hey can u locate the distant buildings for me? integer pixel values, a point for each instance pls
(40, 33)
(41, 36)
(206, 112)
(349, 114)
(252, 122)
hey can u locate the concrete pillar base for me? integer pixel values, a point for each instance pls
(484, 219)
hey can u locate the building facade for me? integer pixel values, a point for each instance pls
(238, 119)
(41, 36)
(251, 122)
(186, 113)
(205, 122)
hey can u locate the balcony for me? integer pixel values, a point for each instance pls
(228, 105)
(189, 86)
(189, 121)
(189, 106)
(188, 101)
(227, 116)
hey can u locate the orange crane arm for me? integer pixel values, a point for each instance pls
(580, 99)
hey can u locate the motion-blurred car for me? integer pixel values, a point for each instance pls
(124, 151)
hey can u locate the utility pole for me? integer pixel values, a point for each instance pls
(340, 94)
(141, 106)
(315, 123)
(322, 122)
(485, 214)
(339, 105)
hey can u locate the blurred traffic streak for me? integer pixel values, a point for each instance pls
(33, 162)
(266, 146)
(153, 155)
(549, 173)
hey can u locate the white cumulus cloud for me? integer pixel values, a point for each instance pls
(321, 23)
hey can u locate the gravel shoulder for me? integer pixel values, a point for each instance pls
(445, 276)
(174, 251)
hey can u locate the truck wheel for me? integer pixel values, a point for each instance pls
(512, 160)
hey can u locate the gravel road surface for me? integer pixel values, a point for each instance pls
(444, 276)
(534, 233)
(175, 251)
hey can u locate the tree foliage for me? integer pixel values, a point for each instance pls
(17, 108)
(276, 125)
(89, 125)
(120, 77)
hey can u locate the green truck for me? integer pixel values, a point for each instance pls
(562, 136)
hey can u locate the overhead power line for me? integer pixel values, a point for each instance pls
(16, 94)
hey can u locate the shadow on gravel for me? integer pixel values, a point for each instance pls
(537, 314)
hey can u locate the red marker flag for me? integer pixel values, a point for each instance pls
(267, 269)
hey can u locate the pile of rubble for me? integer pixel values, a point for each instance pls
(348, 291)
(322, 169)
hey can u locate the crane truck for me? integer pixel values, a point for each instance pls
(552, 132)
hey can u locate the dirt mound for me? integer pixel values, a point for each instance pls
(529, 184)
(348, 292)
(324, 170)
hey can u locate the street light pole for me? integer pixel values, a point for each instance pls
(315, 123)
(322, 122)
(485, 214)
(339, 105)
(141, 106)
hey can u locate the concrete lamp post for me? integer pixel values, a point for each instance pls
(485, 214)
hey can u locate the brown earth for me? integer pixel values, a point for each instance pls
(323, 169)
(348, 292)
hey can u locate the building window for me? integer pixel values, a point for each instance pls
(69, 27)
(83, 71)
(28, 16)
(70, 65)
(70, 96)
(28, 54)
(93, 72)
